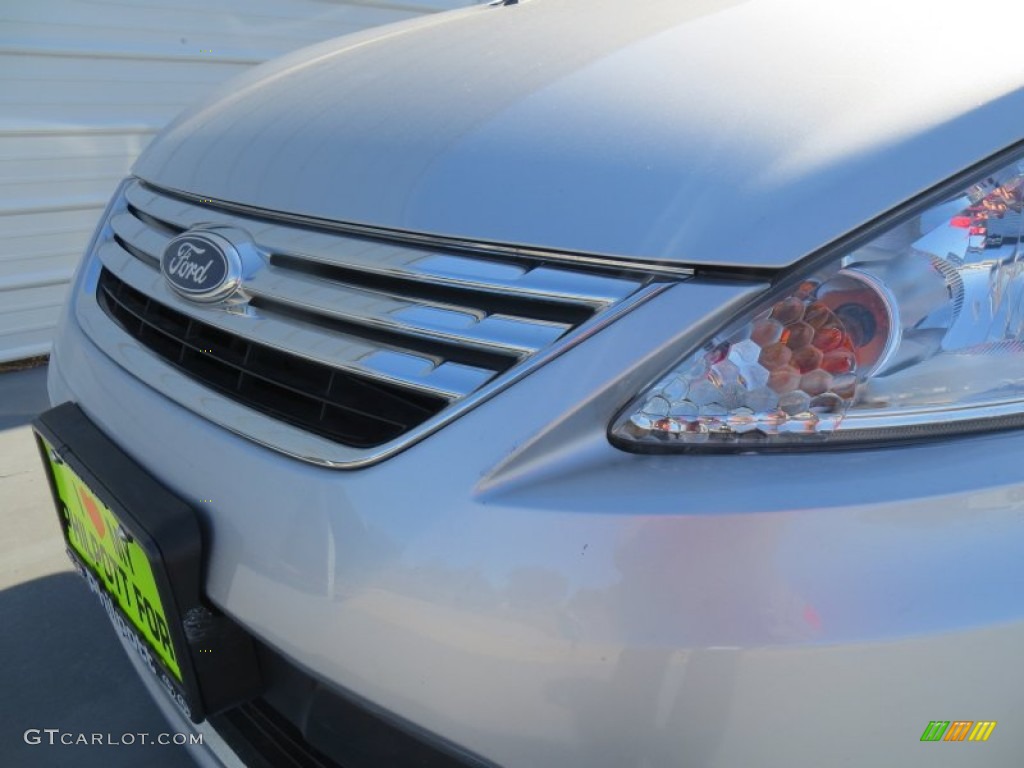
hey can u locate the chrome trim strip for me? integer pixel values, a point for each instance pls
(421, 258)
(513, 336)
(331, 348)
(463, 325)
(919, 419)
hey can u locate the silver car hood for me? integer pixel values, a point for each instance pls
(704, 132)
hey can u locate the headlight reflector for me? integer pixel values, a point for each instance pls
(918, 331)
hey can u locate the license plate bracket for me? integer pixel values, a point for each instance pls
(140, 548)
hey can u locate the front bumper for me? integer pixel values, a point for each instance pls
(540, 598)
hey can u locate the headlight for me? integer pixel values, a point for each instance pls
(918, 331)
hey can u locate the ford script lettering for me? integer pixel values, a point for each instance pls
(201, 265)
(184, 267)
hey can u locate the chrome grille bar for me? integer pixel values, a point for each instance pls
(324, 319)
(429, 374)
(504, 334)
(530, 281)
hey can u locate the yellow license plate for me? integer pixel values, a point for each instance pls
(118, 562)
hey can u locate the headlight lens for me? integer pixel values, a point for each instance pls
(919, 331)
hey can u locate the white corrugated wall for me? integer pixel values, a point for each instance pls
(85, 84)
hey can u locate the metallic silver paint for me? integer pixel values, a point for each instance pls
(544, 599)
(705, 132)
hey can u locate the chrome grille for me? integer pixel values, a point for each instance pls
(434, 328)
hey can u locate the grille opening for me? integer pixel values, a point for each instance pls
(360, 396)
(335, 404)
(212, 341)
(279, 400)
(126, 319)
(343, 421)
(208, 368)
(164, 345)
(496, 303)
(287, 369)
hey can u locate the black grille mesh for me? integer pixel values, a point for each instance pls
(340, 406)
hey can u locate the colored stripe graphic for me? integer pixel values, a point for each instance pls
(983, 730)
(958, 730)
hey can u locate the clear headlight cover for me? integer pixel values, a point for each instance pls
(919, 331)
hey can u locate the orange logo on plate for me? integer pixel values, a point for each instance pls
(94, 513)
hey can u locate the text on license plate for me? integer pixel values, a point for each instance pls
(121, 565)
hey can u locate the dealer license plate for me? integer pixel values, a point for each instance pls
(103, 544)
(139, 547)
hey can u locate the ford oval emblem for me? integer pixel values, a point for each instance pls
(202, 265)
